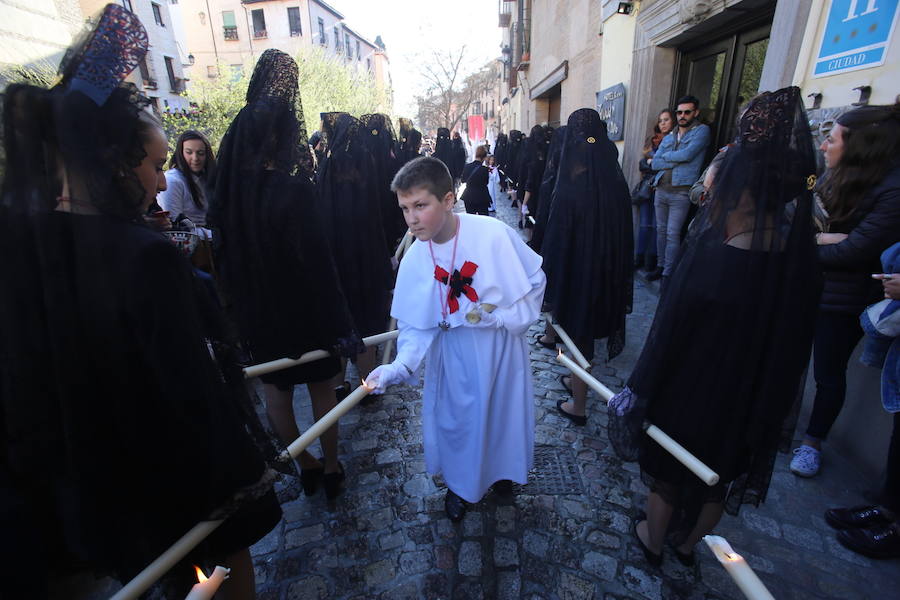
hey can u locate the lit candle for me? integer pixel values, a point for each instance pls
(207, 587)
(737, 567)
(571, 346)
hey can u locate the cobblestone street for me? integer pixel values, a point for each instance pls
(567, 534)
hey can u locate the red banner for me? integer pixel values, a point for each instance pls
(476, 129)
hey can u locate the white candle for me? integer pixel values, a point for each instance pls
(329, 419)
(530, 218)
(694, 464)
(207, 587)
(748, 582)
(286, 363)
(586, 377)
(389, 346)
(571, 345)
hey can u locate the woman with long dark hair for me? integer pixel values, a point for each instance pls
(274, 260)
(722, 364)
(117, 430)
(861, 192)
(189, 179)
(645, 249)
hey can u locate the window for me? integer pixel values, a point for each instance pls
(347, 44)
(259, 23)
(127, 5)
(369, 64)
(322, 39)
(358, 54)
(294, 21)
(157, 14)
(145, 71)
(212, 71)
(337, 40)
(170, 71)
(237, 71)
(229, 25)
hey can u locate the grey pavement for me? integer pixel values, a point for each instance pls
(566, 534)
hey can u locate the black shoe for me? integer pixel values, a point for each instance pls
(654, 274)
(504, 487)
(638, 261)
(879, 542)
(454, 506)
(548, 345)
(310, 479)
(650, 263)
(342, 391)
(577, 419)
(332, 482)
(685, 559)
(655, 560)
(860, 517)
(566, 386)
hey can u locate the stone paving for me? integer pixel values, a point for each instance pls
(567, 534)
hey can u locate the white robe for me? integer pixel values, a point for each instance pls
(478, 413)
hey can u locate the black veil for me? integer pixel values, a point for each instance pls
(516, 139)
(385, 151)
(354, 224)
(410, 141)
(270, 246)
(118, 431)
(588, 242)
(731, 337)
(443, 149)
(548, 182)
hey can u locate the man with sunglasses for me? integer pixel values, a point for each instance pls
(677, 163)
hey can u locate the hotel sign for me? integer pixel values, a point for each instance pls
(856, 35)
(611, 106)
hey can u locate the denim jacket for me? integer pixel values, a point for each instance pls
(684, 157)
(881, 323)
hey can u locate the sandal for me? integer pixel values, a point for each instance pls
(547, 345)
(566, 386)
(654, 559)
(577, 419)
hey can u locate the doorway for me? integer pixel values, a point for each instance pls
(723, 75)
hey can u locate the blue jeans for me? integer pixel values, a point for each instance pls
(646, 242)
(671, 212)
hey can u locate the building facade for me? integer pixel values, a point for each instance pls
(635, 58)
(36, 34)
(229, 34)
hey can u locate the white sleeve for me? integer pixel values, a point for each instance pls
(174, 197)
(519, 317)
(412, 344)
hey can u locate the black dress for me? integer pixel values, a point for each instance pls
(476, 197)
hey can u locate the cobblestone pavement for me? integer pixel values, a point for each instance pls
(564, 535)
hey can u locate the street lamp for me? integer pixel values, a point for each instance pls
(625, 8)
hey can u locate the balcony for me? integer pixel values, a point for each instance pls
(296, 33)
(260, 34)
(231, 34)
(177, 86)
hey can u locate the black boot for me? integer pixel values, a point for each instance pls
(650, 263)
(655, 274)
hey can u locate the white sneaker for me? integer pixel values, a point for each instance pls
(806, 461)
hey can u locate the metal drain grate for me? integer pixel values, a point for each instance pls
(555, 473)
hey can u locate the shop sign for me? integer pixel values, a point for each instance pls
(856, 35)
(611, 106)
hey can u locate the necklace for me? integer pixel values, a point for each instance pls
(445, 298)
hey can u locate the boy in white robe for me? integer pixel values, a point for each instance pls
(478, 413)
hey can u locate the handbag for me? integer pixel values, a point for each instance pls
(641, 192)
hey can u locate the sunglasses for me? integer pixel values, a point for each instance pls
(683, 112)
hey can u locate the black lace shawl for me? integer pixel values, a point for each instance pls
(274, 261)
(548, 182)
(354, 224)
(516, 141)
(722, 364)
(385, 150)
(443, 150)
(588, 241)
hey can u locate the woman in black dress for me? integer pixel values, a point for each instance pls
(476, 197)
(274, 259)
(721, 367)
(117, 430)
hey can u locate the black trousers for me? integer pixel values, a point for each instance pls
(836, 336)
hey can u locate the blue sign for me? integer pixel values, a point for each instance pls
(611, 106)
(856, 36)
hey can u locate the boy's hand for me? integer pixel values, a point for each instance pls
(386, 375)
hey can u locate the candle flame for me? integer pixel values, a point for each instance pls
(558, 353)
(200, 576)
(363, 383)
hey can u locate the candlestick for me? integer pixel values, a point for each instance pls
(694, 464)
(586, 377)
(207, 586)
(748, 582)
(571, 345)
(285, 363)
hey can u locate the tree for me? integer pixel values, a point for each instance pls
(326, 84)
(449, 93)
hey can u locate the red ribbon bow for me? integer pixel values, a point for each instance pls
(460, 283)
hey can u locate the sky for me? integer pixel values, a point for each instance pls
(410, 28)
